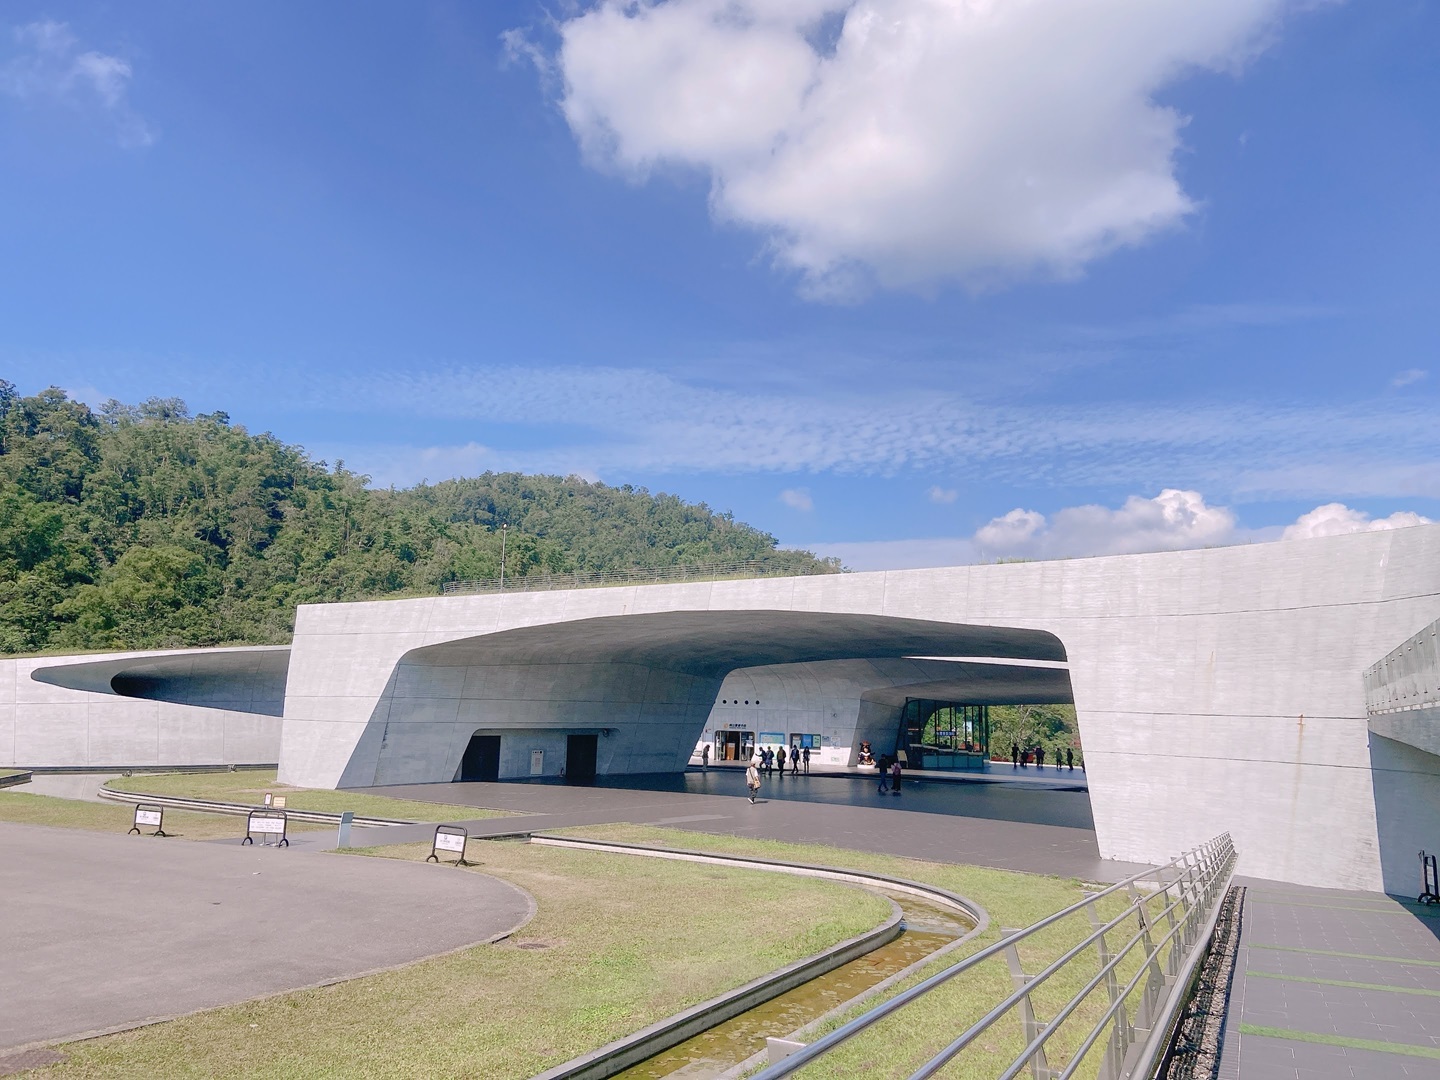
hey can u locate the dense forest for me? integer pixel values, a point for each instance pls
(146, 527)
(1050, 726)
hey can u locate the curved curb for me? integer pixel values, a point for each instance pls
(177, 802)
(16, 779)
(531, 908)
(621, 1054)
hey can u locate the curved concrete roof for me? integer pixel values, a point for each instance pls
(241, 680)
(713, 643)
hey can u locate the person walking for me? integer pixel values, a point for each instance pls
(895, 776)
(752, 779)
(794, 761)
(1014, 754)
(884, 784)
(1040, 757)
(806, 753)
(705, 758)
(1070, 758)
(780, 757)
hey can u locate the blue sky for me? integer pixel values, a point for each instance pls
(873, 275)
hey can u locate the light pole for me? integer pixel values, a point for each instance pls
(503, 529)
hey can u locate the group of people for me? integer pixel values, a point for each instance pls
(766, 760)
(1022, 758)
(773, 757)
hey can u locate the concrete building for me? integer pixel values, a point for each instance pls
(1215, 689)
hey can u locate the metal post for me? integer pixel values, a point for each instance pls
(342, 838)
(1039, 1067)
(503, 529)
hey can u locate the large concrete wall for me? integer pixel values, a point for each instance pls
(64, 711)
(1215, 689)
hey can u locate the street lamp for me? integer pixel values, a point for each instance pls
(503, 529)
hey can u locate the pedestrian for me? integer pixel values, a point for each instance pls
(1039, 757)
(884, 784)
(895, 776)
(769, 761)
(806, 753)
(795, 761)
(1070, 758)
(1014, 754)
(780, 757)
(705, 758)
(752, 779)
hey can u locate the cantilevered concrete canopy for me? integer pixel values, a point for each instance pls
(250, 680)
(714, 643)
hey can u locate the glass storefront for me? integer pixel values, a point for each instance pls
(944, 734)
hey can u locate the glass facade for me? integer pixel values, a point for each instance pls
(944, 734)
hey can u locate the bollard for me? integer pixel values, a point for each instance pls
(343, 839)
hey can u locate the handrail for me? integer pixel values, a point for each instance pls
(1198, 878)
(643, 575)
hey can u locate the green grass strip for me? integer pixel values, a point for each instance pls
(1342, 982)
(1341, 1040)
(1350, 955)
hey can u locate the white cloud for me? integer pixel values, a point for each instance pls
(630, 420)
(1407, 377)
(944, 496)
(1336, 519)
(903, 142)
(797, 499)
(49, 66)
(1172, 520)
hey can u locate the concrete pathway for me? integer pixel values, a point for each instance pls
(82, 786)
(104, 931)
(1013, 828)
(1332, 984)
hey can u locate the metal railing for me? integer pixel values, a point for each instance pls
(1169, 915)
(650, 575)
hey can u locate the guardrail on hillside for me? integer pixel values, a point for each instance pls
(651, 575)
(1169, 914)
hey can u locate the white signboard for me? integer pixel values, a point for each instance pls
(450, 842)
(144, 816)
(260, 824)
(278, 802)
(537, 762)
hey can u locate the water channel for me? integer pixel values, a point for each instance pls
(928, 928)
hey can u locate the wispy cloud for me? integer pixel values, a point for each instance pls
(621, 420)
(1408, 377)
(797, 499)
(49, 65)
(944, 496)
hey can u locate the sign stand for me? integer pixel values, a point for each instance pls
(266, 824)
(449, 838)
(1429, 880)
(149, 815)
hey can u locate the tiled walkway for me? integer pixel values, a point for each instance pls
(1332, 984)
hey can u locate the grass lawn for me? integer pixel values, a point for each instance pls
(27, 809)
(898, 1045)
(250, 786)
(622, 942)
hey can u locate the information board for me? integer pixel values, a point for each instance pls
(449, 838)
(266, 824)
(149, 816)
(278, 802)
(537, 762)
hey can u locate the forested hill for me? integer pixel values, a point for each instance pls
(145, 527)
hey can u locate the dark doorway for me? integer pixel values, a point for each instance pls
(482, 758)
(580, 759)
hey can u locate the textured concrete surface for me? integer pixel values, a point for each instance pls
(1332, 983)
(104, 931)
(1402, 692)
(1216, 689)
(188, 707)
(1010, 827)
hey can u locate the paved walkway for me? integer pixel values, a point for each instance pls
(1010, 827)
(103, 931)
(1332, 984)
